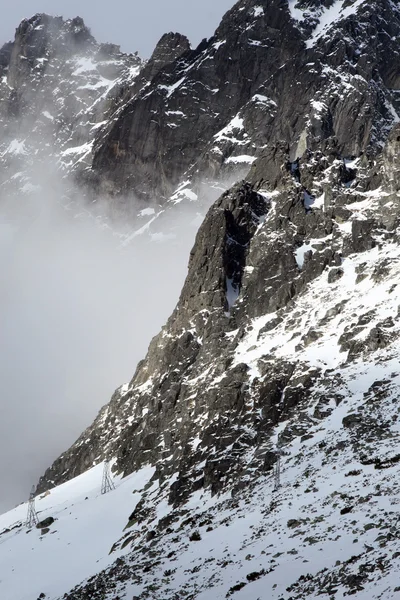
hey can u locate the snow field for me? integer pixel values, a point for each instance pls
(79, 541)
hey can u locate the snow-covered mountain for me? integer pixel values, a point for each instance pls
(56, 88)
(255, 450)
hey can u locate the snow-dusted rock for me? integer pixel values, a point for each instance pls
(284, 341)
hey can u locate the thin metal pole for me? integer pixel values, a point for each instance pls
(277, 471)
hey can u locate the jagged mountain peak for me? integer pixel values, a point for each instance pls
(56, 88)
(169, 48)
(41, 38)
(174, 39)
(69, 33)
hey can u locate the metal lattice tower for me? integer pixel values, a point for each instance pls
(277, 471)
(107, 483)
(32, 518)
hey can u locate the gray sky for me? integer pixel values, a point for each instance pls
(132, 24)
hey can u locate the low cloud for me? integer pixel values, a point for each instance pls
(77, 312)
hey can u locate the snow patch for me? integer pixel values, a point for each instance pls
(235, 125)
(16, 147)
(296, 13)
(84, 65)
(170, 89)
(244, 158)
(147, 212)
(339, 10)
(258, 11)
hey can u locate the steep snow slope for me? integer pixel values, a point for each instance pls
(85, 526)
(331, 525)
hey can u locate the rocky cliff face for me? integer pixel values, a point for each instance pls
(263, 78)
(60, 92)
(284, 339)
(325, 150)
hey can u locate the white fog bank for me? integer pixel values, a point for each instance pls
(77, 312)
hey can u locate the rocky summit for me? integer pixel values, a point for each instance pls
(255, 451)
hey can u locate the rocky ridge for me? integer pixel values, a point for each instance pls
(60, 91)
(57, 87)
(261, 79)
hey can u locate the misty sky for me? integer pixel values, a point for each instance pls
(132, 24)
(77, 312)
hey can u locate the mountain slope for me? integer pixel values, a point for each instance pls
(261, 244)
(36, 563)
(284, 341)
